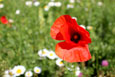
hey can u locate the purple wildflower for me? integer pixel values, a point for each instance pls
(104, 63)
(80, 74)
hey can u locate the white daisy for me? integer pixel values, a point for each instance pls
(70, 6)
(9, 72)
(28, 74)
(6, 75)
(51, 55)
(74, 18)
(19, 70)
(59, 62)
(89, 27)
(71, 1)
(43, 53)
(36, 3)
(77, 68)
(77, 72)
(51, 3)
(57, 4)
(17, 11)
(46, 8)
(28, 3)
(100, 3)
(11, 21)
(37, 70)
(1, 5)
(83, 26)
(6, 72)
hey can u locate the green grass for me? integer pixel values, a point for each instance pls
(30, 32)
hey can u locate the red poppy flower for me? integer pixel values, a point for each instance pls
(74, 48)
(3, 20)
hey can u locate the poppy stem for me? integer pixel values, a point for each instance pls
(83, 65)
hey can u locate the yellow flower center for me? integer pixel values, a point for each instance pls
(43, 52)
(10, 73)
(51, 54)
(90, 27)
(19, 71)
(37, 70)
(28, 74)
(60, 62)
(45, 7)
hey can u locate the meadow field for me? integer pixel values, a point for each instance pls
(27, 49)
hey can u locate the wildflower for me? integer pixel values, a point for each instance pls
(57, 4)
(89, 27)
(75, 47)
(51, 4)
(77, 72)
(71, 1)
(9, 73)
(83, 26)
(77, 68)
(17, 12)
(28, 3)
(80, 74)
(51, 55)
(11, 21)
(19, 70)
(43, 53)
(36, 3)
(37, 70)
(6, 72)
(70, 6)
(100, 3)
(4, 20)
(1, 5)
(46, 8)
(59, 62)
(74, 18)
(6, 75)
(104, 63)
(28, 74)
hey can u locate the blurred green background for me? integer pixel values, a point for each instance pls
(30, 32)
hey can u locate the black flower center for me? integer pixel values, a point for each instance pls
(75, 37)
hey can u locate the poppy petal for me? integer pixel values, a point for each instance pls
(58, 24)
(3, 20)
(85, 36)
(71, 53)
